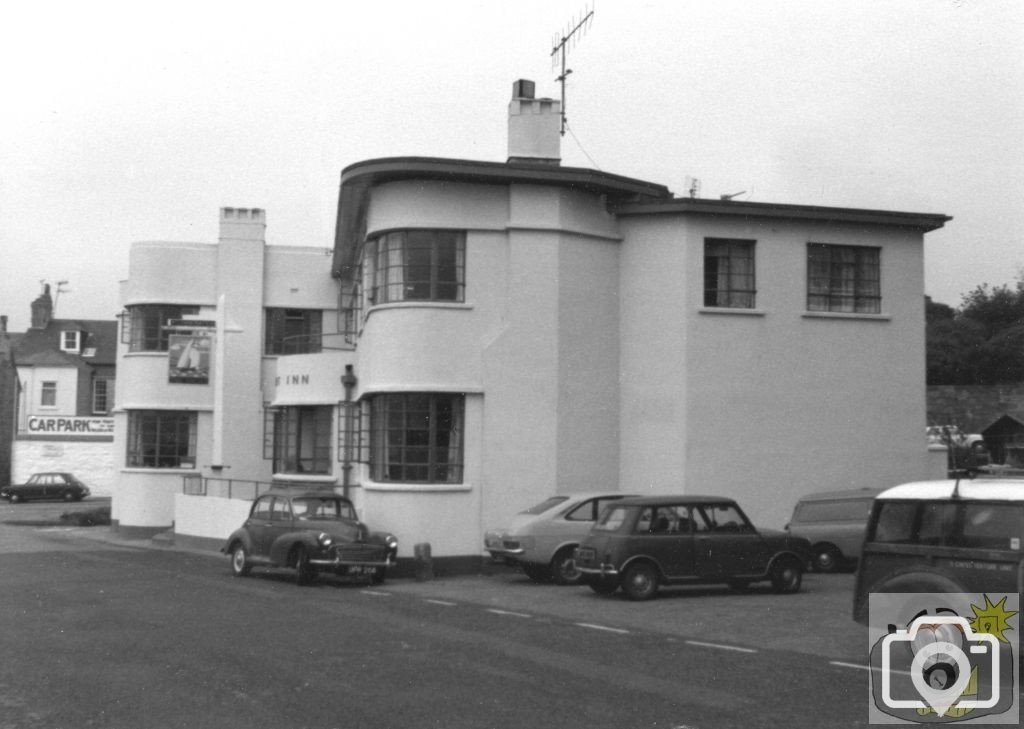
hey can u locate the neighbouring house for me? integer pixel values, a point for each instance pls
(996, 412)
(65, 400)
(486, 334)
(8, 402)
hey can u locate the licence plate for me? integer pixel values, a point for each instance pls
(359, 569)
(585, 554)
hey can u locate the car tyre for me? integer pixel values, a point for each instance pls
(15, 498)
(537, 572)
(787, 575)
(304, 571)
(68, 496)
(640, 581)
(827, 558)
(603, 585)
(240, 564)
(563, 567)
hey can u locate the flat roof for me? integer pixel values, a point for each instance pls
(981, 489)
(626, 196)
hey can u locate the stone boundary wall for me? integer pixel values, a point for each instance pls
(974, 407)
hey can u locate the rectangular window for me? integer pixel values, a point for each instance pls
(416, 437)
(302, 439)
(69, 341)
(102, 395)
(48, 395)
(729, 273)
(144, 326)
(293, 331)
(416, 265)
(844, 278)
(161, 439)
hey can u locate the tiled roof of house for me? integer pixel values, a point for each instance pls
(41, 347)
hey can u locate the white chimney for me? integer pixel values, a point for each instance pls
(243, 224)
(533, 126)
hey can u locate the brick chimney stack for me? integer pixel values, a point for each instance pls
(42, 309)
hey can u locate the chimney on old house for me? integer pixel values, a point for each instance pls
(42, 309)
(533, 126)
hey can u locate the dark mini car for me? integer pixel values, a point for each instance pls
(643, 543)
(309, 532)
(56, 485)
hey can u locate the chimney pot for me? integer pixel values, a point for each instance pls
(534, 126)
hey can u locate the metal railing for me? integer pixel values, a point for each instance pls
(224, 488)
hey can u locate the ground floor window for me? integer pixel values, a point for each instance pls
(416, 437)
(161, 439)
(300, 439)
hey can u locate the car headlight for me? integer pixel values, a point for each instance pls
(324, 539)
(391, 541)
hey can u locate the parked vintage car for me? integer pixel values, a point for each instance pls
(56, 485)
(834, 522)
(309, 532)
(542, 539)
(643, 543)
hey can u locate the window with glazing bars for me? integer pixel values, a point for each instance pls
(416, 437)
(844, 278)
(293, 331)
(161, 439)
(300, 439)
(415, 265)
(729, 273)
(144, 326)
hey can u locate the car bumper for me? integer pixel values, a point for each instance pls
(603, 570)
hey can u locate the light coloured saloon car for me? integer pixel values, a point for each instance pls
(542, 539)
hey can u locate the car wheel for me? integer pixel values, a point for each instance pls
(15, 498)
(304, 571)
(563, 568)
(826, 558)
(240, 565)
(68, 496)
(787, 575)
(537, 572)
(603, 585)
(640, 582)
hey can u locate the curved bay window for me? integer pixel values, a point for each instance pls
(415, 265)
(144, 326)
(416, 437)
(298, 439)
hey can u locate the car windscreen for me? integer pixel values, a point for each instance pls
(322, 508)
(545, 505)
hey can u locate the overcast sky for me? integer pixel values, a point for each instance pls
(135, 121)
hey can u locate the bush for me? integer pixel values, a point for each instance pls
(93, 517)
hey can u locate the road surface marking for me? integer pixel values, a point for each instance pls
(867, 668)
(722, 646)
(442, 602)
(508, 612)
(620, 631)
(376, 594)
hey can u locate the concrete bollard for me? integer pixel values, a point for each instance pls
(424, 562)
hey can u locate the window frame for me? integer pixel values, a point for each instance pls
(740, 288)
(279, 337)
(144, 326)
(48, 392)
(107, 395)
(406, 444)
(835, 285)
(165, 437)
(284, 443)
(76, 340)
(388, 269)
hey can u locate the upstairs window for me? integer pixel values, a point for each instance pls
(70, 341)
(293, 331)
(415, 265)
(144, 326)
(48, 395)
(729, 273)
(102, 395)
(844, 279)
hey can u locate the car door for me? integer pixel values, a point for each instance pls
(259, 526)
(37, 486)
(727, 543)
(663, 532)
(281, 523)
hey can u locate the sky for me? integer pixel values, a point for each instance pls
(131, 121)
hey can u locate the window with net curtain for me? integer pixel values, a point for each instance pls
(729, 273)
(416, 437)
(415, 265)
(844, 278)
(302, 439)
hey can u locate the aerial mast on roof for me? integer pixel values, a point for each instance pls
(560, 46)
